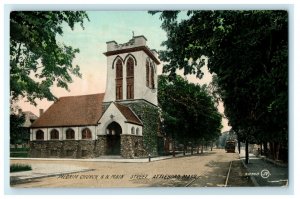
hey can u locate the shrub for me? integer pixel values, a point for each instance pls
(19, 167)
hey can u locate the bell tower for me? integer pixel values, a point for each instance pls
(131, 72)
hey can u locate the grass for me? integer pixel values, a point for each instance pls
(19, 155)
(20, 167)
(19, 150)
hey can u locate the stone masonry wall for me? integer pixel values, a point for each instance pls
(64, 149)
(100, 145)
(132, 146)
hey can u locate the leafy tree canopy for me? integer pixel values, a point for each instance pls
(188, 111)
(248, 52)
(37, 60)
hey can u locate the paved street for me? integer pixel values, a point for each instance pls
(206, 170)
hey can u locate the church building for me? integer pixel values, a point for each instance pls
(123, 121)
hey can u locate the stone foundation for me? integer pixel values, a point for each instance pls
(101, 145)
(63, 149)
(132, 146)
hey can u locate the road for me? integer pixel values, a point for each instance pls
(200, 170)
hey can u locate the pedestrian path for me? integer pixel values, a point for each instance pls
(110, 158)
(41, 170)
(100, 159)
(265, 173)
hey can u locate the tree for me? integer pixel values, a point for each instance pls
(188, 111)
(37, 59)
(247, 50)
(16, 128)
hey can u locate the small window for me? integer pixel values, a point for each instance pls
(137, 132)
(40, 135)
(132, 130)
(147, 73)
(54, 134)
(152, 84)
(86, 134)
(70, 134)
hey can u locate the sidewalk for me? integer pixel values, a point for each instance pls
(100, 159)
(44, 170)
(111, 158)
(264, 173)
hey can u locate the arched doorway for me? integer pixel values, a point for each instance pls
(113, 141)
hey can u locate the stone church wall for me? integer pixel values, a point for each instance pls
(132, 146)
(63, 149)
(148, 114)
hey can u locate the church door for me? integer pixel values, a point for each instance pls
(113, 141)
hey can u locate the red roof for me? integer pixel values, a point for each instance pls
(72, 111)
(128, 114)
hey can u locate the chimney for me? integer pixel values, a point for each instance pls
(41, 112)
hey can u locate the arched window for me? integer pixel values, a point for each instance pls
(132, 130)
(70, 134)
(119, 80)
(54, 134)
(152, 84)
(137, 131)
(86, 133)
(147, 73)
(130, 78)
(40, 135)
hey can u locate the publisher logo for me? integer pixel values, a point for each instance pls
(265, 173)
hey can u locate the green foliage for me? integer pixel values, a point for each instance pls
(20, 167)
(37, 60)
(149, 115)
(248, 52)
(16, 128)
(188, 111)
(19, 155)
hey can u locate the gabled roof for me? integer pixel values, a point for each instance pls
(128, 114)
(72, 111)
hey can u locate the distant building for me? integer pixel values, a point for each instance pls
(21, 139)
(122, 121)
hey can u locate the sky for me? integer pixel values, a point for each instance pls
(107, 26)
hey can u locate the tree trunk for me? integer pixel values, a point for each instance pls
(239, 146)
(184, 149)
(277, 147)
(265, 148)
(261, 151)
(173, 148)
(198, 148)
(211, 146)
(246, 153)
(192, 150)
(201, 148)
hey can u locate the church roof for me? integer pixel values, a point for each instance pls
(128, 114)
(72, 111)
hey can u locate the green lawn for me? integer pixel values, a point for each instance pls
(19, 153)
